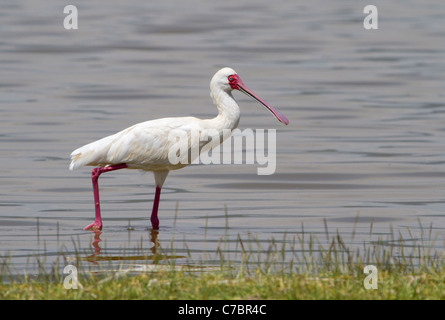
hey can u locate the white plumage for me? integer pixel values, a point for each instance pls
(142, 146)
(146, 145)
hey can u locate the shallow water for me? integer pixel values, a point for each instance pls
(365, 145)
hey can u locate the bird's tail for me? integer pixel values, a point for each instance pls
(85, 156)
(92, 154)
(78, 159)
(75, 163)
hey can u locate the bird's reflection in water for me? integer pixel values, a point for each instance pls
(154, 255)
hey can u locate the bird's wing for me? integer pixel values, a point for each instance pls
(145, 144)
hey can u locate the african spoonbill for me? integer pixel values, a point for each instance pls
(146, 145)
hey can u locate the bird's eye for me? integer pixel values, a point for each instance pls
(230, 78)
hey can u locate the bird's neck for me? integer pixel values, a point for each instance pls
(228, 110)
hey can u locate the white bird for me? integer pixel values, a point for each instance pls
(147, 145)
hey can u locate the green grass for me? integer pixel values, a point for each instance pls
(299, 266)
(220, 285)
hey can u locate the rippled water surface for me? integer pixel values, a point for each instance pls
(364, 152)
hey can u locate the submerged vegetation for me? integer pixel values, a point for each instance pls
(298, 266)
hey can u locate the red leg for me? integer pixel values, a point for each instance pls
(97, 224)
(154, 213)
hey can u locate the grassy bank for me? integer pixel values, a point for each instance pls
(299, 266)
(219, 285)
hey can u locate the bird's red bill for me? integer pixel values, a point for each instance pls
(236, 83)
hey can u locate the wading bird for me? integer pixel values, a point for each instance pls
(146, 145)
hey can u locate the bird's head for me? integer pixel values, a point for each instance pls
(227, 79)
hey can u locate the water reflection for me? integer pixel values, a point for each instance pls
(154, 255)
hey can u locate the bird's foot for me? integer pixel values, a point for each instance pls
(155, 226)
(154, 223)
(95, 226)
